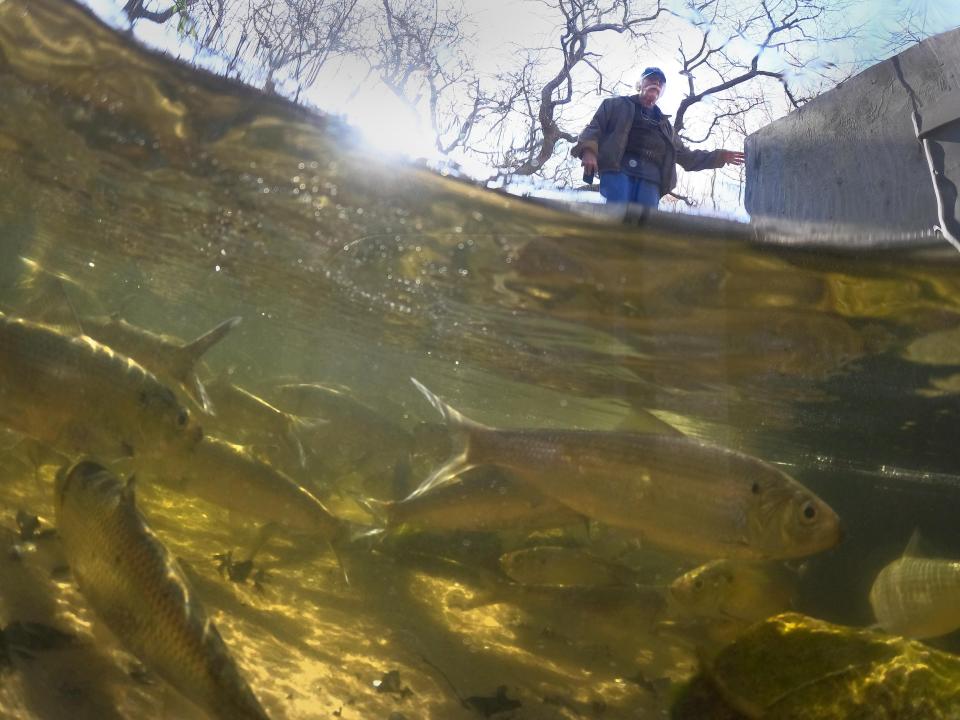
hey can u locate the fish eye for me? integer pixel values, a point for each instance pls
(755, 488)
(182, 418)
(809, 511)
(698, 583)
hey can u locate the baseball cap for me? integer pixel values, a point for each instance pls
(656, 72)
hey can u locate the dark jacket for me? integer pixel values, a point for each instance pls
(607, 135)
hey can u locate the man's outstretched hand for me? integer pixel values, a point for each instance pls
(732, 157)
(589, 162)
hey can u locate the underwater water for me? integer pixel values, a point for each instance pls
(133, 187)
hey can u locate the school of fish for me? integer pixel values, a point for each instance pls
(103, 398)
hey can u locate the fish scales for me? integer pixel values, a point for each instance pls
(82, 397)
(918, 597)
(481, 500)
(229, 476)
(139, 591)
(674, 490)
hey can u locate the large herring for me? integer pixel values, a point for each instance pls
(139, 591)
(169, 358)
(230, 476)
(674, 491)
(81, 397)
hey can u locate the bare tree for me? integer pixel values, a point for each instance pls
(745, 62)
(419, 52)
(913, 23)
(299, 36)
(270, 41)
(777, 32)
(138, 10)
(738, 47)
(541, 98)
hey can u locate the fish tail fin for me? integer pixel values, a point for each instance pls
(461, 429)
(264, 534)
(186, 359)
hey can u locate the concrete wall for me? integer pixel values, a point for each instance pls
(852, 155)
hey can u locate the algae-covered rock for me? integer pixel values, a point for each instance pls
(792, 666)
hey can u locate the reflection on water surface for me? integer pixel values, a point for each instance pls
(177, 200)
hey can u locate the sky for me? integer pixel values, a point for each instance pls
(500, 27)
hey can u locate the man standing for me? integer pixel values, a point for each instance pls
(633, 146)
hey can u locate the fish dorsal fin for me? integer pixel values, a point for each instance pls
(643, 421)
(199, 346)
(913, 545)
(187, 357)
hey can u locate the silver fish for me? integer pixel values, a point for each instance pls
(482, 500)
(917, 597)
(230, 476)
(733, 591)
(81, 397)
(138, 590)
(169, 358)
(674, 491)
(553, 566)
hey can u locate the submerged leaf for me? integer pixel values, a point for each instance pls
(490, 705)
(390, 683)
(36, 637)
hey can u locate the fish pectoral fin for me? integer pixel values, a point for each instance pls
(198, 393)
(75, 316)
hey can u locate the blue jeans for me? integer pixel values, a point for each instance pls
(618, 187)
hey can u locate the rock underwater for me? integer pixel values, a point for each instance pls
(793, 666)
